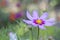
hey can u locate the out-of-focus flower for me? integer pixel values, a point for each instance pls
(39, 21)
(18, 15)
(13, 36)
(13, 16)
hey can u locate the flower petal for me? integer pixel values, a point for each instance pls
(42, 27)
(27, 21)
(35, 14)
(35, 25)
(44, 16)
(29, 16)
(30, 22)
(50, 22)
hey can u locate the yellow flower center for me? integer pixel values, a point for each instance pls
(38, 21)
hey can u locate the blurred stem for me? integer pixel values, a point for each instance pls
(38, 34)
(18, 23)
(31, 34)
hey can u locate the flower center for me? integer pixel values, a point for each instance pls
(39, 21)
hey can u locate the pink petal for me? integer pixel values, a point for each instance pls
(35, 14)
(29, 16)
(30, 22)
(35, 25)
(44, 16)
(42, 27)
(50, 22)
(27, 21)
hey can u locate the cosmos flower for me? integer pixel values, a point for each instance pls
(37, 21)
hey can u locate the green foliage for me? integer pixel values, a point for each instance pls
(4, 34)
(22, 29)
(53, 3)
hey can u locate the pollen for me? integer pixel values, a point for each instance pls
(38, 21)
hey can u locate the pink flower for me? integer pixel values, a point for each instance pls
(37, 21)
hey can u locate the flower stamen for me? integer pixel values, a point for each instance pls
(39, 21)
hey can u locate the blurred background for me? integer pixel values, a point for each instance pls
(12, 12)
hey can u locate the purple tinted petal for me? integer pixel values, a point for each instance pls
(27, 21)
(44, 16)
(42, 27)
(30, 22)
(35, 14)
(35, 25)
(29, 16)
(50, 22)
(52, 19)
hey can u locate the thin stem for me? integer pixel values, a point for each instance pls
(31, 34)
(38, 34)
(18, 23)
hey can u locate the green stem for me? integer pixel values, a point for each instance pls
(18, 23)
(38, 34)
(31, 34)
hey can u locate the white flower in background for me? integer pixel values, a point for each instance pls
(12, 36)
